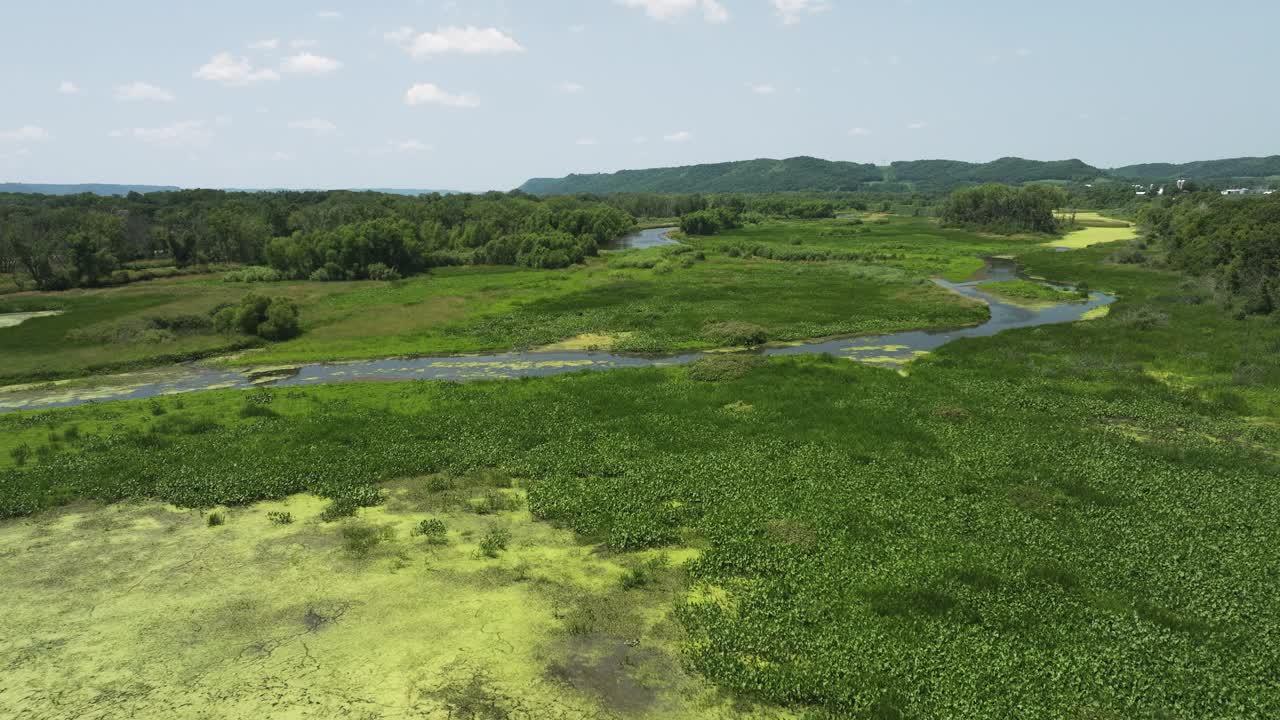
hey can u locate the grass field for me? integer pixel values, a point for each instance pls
(1066, 521)
(794, 280)
(1026, 292)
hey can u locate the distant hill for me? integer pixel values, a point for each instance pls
(108, 189)
(1245, 168)
(813, 174)
(799, 173)
(928, 174)
(95, 188)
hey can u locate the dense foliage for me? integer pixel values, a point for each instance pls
(1004, 209)
(709, 222)
(270, 318)
(1234, 240)
(83, 240)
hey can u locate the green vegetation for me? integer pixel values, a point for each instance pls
(56, 243)
(794, 279)
(1003, 209)
(1030, 524)
(1232, 240)
(270, 318)
(1026, 291)
(982, 521)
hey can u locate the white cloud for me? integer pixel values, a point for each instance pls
(298, 44)
(281, 156)
(139, 90)
(189, 132)
(68, 88)
(762, 89)
(570, 88)
(329, 15)
(309, 64)
(315, 126)
(431, 94)
(640, 140)
(918, 126)
(268, 44)
(26, 133)
(411, 146)
(859, 132)
(670, 10)
(1024, 52)
(586, 141)
(680, 136)
(233, 72)
(466, 40)
(791, 11)
(577, 28)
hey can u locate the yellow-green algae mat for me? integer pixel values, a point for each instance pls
(142, 610)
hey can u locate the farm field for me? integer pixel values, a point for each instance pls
(1036, 522)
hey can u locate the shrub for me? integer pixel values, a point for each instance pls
(646, 573)
(723, 367)
(434, 530)
(253, 274)
(735, 334)
(215, 519)
(495, 502)
(338, 508)
(271, 318)
(257, 410)
(280, 518)
(495, 541)
(21, 454)
(379, 271)
(359, 540)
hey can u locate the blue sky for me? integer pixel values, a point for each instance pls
(479, 94)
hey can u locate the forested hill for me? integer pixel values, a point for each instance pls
(1245, 168)
(94, 188)
(799, 173)
(813, 174)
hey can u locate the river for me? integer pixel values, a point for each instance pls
(890, 351)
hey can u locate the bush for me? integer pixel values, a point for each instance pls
(723, 367)
(646, 573)
(495, 541)
(495, 502)
(379, 271)
(736, 334)
(215, 519)
(253, 274)
(21, 454)
(434, 530)
(271, 318)
(338, 508)
(360, 540)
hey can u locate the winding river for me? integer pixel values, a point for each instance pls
(884, 350)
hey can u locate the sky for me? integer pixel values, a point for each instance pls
(484, 94)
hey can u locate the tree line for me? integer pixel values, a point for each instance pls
(1234, 240)
(58, 242)
(1004, 209)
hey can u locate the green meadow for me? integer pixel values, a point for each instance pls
(1066, 521)
(791, 279)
